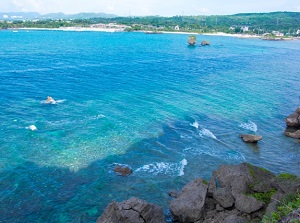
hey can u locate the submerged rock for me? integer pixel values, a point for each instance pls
(123, 170)
(133, 210)
(250, 138)
(189, 206)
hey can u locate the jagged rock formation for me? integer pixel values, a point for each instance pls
(133, 210)
(235, 194)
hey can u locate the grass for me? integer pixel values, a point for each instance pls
(263, 196)
(288, 205)
(286, 176)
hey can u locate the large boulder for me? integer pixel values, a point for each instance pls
(189, 206)
(247, 204)
(249, 138)
(133, 210)
(223, 197)
(236, 177)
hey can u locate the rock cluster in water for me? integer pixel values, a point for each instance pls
(293, 124)
(234, 194)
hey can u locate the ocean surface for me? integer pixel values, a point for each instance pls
(171, 112)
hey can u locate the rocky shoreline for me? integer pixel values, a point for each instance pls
(235, 194)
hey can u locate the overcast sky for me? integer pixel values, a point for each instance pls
(150, 7)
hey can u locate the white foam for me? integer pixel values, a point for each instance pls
(195, 124)
(249, 126)
(60, 101)
(207, 133)
(164, 168)
(100, 116)
(183, 164)
(53, 102)
(32, 127)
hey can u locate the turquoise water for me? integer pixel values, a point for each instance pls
(171, 112)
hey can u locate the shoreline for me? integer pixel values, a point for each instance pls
(113, 30)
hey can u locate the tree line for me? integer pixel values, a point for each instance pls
(286, 22)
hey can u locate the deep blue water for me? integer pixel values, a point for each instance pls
(171, 112)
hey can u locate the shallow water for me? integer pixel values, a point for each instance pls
(171, 112)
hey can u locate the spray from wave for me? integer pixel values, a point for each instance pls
(195, 124)
(32, 127)
(207, 133)
(249, 126)
(164, 168)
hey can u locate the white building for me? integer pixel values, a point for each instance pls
(176, 28)
(245, 28)
(277, 33)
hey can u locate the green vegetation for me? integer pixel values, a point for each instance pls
(204, 182)
(264, 197)
(288, 205)
(286, 176)
(252, 23)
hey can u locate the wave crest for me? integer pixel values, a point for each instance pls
(164, 168)
(249, 126)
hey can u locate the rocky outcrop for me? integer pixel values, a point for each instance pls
(205, 43)
(189, 206)
(133, 210)
(295, 135)
(293, 124)
(235, 194)
(293, 120)
(192, 40)
(238, 193)
(250, 138)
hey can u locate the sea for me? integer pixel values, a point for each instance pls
(169, 111)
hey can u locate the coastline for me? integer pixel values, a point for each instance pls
(112, 30)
